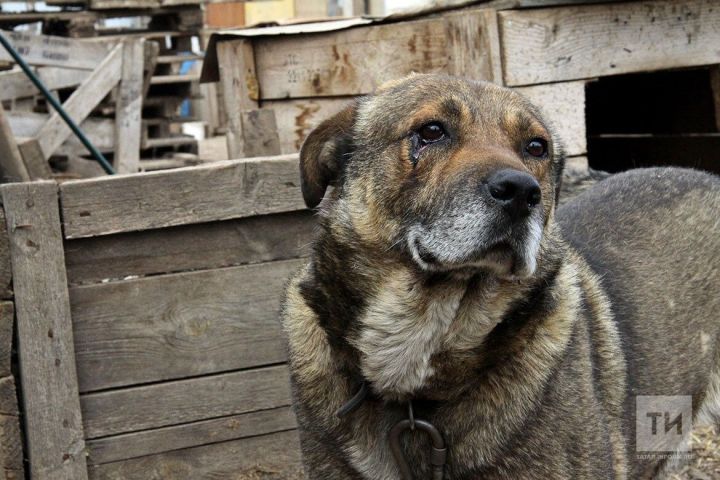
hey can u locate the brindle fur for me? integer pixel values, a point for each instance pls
(528, 373)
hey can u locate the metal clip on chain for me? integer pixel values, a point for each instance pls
(438, 455)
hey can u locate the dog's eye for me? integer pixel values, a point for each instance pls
(431, 132)
(537, 147)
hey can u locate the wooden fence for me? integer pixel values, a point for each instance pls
(147, 314)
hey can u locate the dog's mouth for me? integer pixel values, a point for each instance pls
(504, 257)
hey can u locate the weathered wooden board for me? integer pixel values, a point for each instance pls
(562, 103)
(12, 166)
(184, 401)
(272, 457)
(190, 247)
(7, 314)
(179, 325)
(220, 191)
(564, 43)
(5, 265)
(55, 51)
(82, 101)
(15, 84)
(128, 108)
(56, 447)
(259, 132)
(34, 159)
(149, 442)
(356, 61)
(100, 131)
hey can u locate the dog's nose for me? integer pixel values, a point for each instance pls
(517, 192)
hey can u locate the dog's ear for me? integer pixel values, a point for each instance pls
(323, 154)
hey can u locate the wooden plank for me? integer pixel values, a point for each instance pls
(82, 101)
(11, 452)
(474, 45)
(54, 51)
(100, 131)
(35, 161)
(180, 325)
(128, 109)
(356, 61)
(240, 88)
(564, 43)
(258, 239)
(219, 191)
(11, 161)
(53, 423)
(272, 457)
(184, 401)
(563, 105)
(149, 442)
(296, 118)
(259, 133)
(15, 84)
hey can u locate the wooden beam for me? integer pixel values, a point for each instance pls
(11, 162)
(5, 265)
(15, 84)
(241, 241)
(347, 62)
(82, 101)
(240, 88)
(48, 50)
(298, 117)
(274, 456)
(219, 191)
(176, 437)
(173, 326)
(184, 401)
(128, 108)
(53, 423)
(100, 131)
(565, 43)
(35, 161)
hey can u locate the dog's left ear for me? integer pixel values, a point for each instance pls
(323, 154)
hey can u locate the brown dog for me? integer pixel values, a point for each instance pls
(444, 281)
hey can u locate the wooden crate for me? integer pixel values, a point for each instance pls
(148, 321)
(305, 73)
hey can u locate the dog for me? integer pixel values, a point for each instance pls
(449, 299)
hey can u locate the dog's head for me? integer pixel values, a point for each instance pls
(450, 173)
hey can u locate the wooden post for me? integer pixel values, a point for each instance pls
(35, 161)
(240, 88)
(53, 423)
(11, 163)
(128, 110)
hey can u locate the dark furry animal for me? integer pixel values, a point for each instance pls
(444, 275)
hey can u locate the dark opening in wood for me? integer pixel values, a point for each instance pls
(654, 119)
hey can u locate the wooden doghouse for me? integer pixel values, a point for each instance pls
(280, 82)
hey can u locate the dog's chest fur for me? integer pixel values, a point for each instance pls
(406, 323)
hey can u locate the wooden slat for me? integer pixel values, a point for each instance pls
(15, 84)
(149, 442)
(184, 401)
(259, 132)
(356, 61)
(298, 117)
(190, 247)
(564, 43)
(82, 101)
(272, 457)
(5, 265)
(180, 325)
(220, 191)
(563, 105)
(100, 131)
(128, 109)
(11, 162)
(55, 439)
(35, 161)
(55, 51)
(240, 87)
